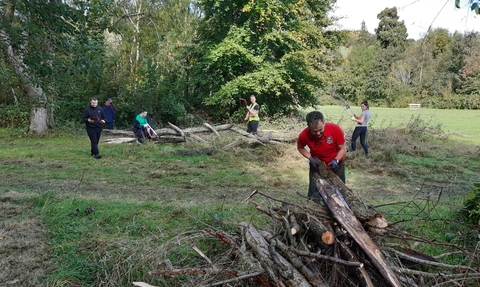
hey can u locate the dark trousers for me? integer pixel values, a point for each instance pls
(94, 135)
(141, 134)
(252, 127)
(313, 193)
(109, 125)
(362, 133)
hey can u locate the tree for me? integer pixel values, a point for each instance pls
(390, 31)
(35, 39)
(148, 51)
(469, 74)
(392, 38)
(355, 71)
(277, 50)
(15, 49)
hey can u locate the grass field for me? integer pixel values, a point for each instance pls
(148, 199)
(461, 125)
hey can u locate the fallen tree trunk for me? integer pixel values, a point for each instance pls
(175, 134)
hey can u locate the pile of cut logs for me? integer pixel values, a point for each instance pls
(341, 242)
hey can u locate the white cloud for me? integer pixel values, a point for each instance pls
(418, 15)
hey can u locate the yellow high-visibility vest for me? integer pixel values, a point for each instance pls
(254, 117)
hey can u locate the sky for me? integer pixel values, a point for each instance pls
(417, 15)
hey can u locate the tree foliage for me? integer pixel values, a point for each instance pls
(277, 50)
(185, 60)
(391, 33)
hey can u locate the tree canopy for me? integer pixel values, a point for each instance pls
(187, 61)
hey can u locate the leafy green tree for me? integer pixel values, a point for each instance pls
(469, 74)
(277, 50)
(392, 37)
(391, 32)
(148, 51)
(37, 39)
(355, 72)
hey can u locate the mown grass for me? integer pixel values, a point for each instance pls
(152, 204)
(458, 125)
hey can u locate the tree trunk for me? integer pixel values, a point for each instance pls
(39, 119)
(39, 115)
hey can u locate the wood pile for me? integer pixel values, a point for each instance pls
(174, 134)
(341, 242)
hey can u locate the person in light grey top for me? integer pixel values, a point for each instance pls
(361, 128)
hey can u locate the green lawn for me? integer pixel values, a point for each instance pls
(462, 125)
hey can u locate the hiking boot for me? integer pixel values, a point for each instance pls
(97, 156)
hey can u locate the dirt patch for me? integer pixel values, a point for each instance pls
(22, 242)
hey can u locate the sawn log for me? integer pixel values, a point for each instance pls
(342, 213)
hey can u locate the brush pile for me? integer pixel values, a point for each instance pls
(339, 242)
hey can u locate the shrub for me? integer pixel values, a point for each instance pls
(14, 116)
(472, 205)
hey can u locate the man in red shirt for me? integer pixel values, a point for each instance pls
(325, 141)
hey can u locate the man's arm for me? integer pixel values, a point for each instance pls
(252, 112)
(342, 150)
(303, 151)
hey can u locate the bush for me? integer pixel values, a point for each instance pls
(14, 116)
(472, 205)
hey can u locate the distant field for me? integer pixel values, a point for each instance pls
(464, 125)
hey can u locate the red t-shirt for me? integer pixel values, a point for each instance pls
(326, 147)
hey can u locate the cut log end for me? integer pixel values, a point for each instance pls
(328, 237)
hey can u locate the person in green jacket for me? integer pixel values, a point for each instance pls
(252, 116)
(141, 126)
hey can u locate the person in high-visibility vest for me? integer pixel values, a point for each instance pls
(252, 116)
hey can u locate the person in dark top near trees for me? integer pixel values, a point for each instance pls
(94, 118)
(141, 126)
(361, 128)
(325, 141)
(109, 111)
(252, 116)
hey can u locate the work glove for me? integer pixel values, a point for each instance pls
(90, 120)
(333, 165)
(353, 118)
(102, 121)
(313, 163)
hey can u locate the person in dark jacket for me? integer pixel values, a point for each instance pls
(94, 118)
(141, 126)
(109, 111)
